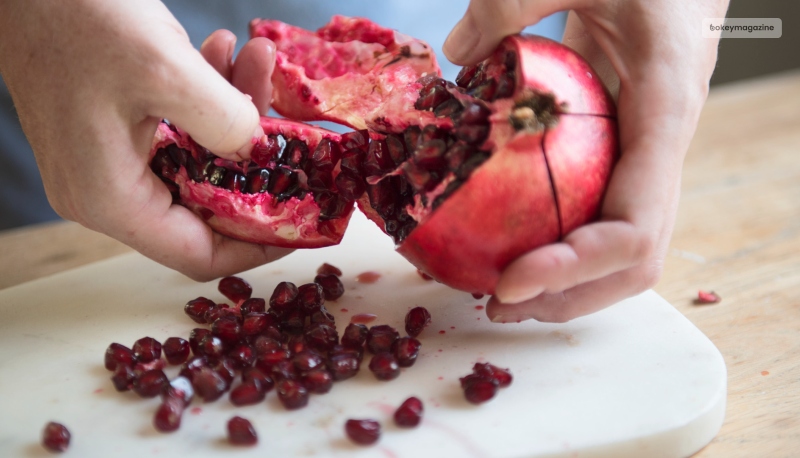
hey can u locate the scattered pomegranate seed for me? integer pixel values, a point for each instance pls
(235, 289)
(195, 337)
(208, 384)
(176, 350)
(228, 329)
(118, 354)
(168, 415)
(283, 298)
(310, 297)
(363, 432)
(193, 366)
(384, 366)
(292, 394)
(123, 378)
(321, 337)
(256, 376)
(343, 365)
(151, 383)
(307, 360)
(424, 276)
(501, 376)
(380, 338)
(327, 269)
(355, 334)
(197, 309)
(478, 389)
(707, 297)
(242, 356)
(409, 413)
(318, 381)
(416, 320)
(55, 437)
(406, 350)
(247, 393)
(211, 346)
(253, 305)
(368, 277)
(179, 388)
(331, 286)
(241, 432)
(147, 349)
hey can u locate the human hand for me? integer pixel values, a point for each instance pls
(652, 56)
(91, 79)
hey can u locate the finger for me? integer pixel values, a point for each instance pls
(204, 104)
(575, 302)
(487, 22)
(252, 71)
(218, 49)
(588, 253)
(175, 237)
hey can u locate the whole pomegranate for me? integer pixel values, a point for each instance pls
(465, 176)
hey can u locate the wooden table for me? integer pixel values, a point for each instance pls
(738, 233)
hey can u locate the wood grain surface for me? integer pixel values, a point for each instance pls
(737, 233)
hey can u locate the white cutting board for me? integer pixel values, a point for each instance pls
(635, 380)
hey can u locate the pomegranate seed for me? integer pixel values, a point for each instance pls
(318, 381)
(293, 321)
(227, 329)
(310, 297)
(283, 370)
(147, 349)
(295, 343)
(55, 437)
(409, 413)
(191, 367)
(253, 375)
(195, 337)
(406, 350)
(380, 338)
(151, 383)
(253, 305)
(327, 269)
(321, 337)
(322, 316)
(265, 362)
(343, 365)
(254, 324)
(242, 356)
(292, 394)
(235, 289)
(176, 350)
(179, 388)
(123, 378)
(384, 366)
(224, 367)
(247, 393)
(355, 139)
(307, 360)
(707, 297)
(331, 286)
(208, 384)
(363, 432)
(118, 354)
(264, 344)
(354, 335)
(211, 346)
(478, 389)
(197, 309)
(283, 298)
(416, 320)
(325, 155)
(501, 376)
(168, 415)
(241, 432)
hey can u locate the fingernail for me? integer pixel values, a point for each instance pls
(509, 318)
(464, 37)
(513, 294)
(244, 151)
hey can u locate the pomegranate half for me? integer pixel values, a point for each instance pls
(465, 176)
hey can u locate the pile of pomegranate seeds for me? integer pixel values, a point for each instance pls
(241, 432)
(288, 344)
(55, 437)
(482, 384)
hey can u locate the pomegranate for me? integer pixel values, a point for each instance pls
(515, 155)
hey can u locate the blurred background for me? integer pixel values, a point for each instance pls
(22, 198)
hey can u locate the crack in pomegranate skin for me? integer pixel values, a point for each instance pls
(465, 176)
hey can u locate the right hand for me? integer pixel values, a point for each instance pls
(92, 78)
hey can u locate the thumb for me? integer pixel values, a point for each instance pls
(487, 22)
(203, 103)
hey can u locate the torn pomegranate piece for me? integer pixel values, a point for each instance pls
(707, 297)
